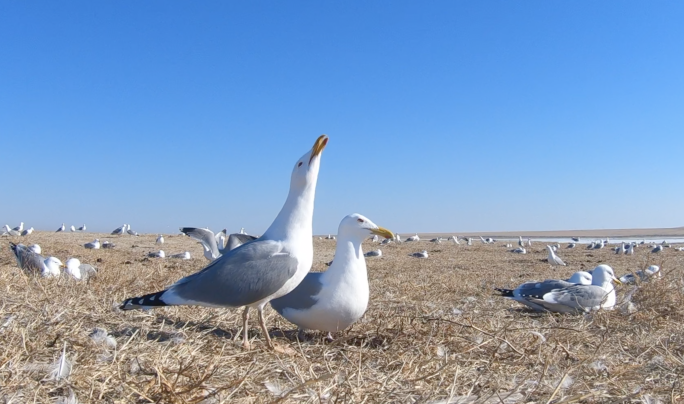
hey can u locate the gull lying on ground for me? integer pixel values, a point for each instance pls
(577, 298)
(520, 250)
(335, 299)
(259, 271)
(413, 238)
(131, 232)
(375, 253)
(27, 231)
(35, 248)
(644, 276)
(93, 245)
(421, 254)
(657, 249)
(537, 290)
(571, 245)
(108, 244)
(183, 255)
(34, 263)
(157, 254)
(79, 271)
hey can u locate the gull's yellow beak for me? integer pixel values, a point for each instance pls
(381, 231)
(616, 280)
(318, 146)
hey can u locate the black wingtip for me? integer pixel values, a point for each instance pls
(505, 292)
(144, 302)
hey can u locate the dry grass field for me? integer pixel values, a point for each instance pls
(434, 333)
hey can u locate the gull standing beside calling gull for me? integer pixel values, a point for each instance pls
(259, 271)
(335, 299)
(553, 258)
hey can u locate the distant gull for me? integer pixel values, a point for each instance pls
(213, 245)
(374, 253)
(521, 243)
(183, 255)
(157, 254)
(421, 254)
(571, 245)
(577, 298)
(553, 258)
(72, 228)
(537, 290)
(160, 239)
(19, 228)
(131, 232)
(657, 249)
(62, 228)
(108, 244)
(34, 263)
(644, 275)
(79, 271)
(93, 245)
(413, 238)
(520, 250)
(82, 228)
(259, 271)
(576, 239)
(375, 238)
(119, 230)
(397, 237)
(27, 231)
(470, 241)
(386, 241)
(35, 248)
(335, 299)
(454, 239)
(436, 240)
(11, 232)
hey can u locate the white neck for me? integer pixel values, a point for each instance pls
(296, 217)
(348, 250)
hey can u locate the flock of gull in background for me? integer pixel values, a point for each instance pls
(274, 268)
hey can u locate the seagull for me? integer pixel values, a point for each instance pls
(386, 241)
(82, 228)
(629, 249)
(131, 232)
(62, 228)
(398, 238)
(27, 231)
(259, 271)
(34, 263)
(576, 239)
(375, 238)
(213, 244)
(436, 240)
(79, 271)
(183, 255)
(35, 248)
(657, 248)
(93, 245)
(470, 241)
(374, 253)
(529, 242)
(520, 250)
(571, 245)
(119, 230)
(621, 249)
(335, 299)
(160, 239)
(413, 238)
(422, 254)
(553, 258)
(537, 290)
(521, 243)
(107, 244)
(157, 254)
(576, 298)
(644, 275)
(483, 240)
(19, 228)
(454, 239)
(72, 228)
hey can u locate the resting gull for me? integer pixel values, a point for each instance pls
(264, 269)
(93, 245)
(577, 298)
(519, 250)
(72, 228)
(35, 248)
(157, 254)
(644, 275)
(131, 232)
(183, 255)
(34, 263)
(335, 299)
(374, 253)
(108, 244)
(413, 238)
(79, 271)
(420, 254)
(553, 258)
(27, 231)
(537, 290)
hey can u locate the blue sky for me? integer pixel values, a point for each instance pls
(443, 116)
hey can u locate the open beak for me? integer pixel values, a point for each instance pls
(381, 231)
(616, 280)
(318, 146)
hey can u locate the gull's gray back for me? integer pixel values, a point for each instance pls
(27, 259)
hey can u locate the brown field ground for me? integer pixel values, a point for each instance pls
(434, 333)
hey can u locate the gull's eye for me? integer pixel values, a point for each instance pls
(359, 220)
(300, 164)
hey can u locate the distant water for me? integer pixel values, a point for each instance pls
(613, 240)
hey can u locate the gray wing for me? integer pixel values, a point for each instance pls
(302, 297)
(539, 289)
(88, 270)
(573, 299)
(27, 259)
(240, 277)
(204, 236)
(237, 239)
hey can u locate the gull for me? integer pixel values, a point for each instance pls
(330, 237)
(237, 239)
(489, 240)
(386, 241)
(375, 238)
(529, 242)
(422, 254)
(374, 253)
(398, 238)
(213, 245)
(509, 245)
(454, 239)
(483, 240)
(335, 299)
(576, 239)
(79, 271)
(537, 290)
(107, 244)
(156, 254)
(413, 238)
(521, 243)
(34, 263)
(160, 239)
(61, 228)
(119, 230)
(72, 228)
(520, 250)
(600, 244)
(131, 232)
(259, 271)
(183, 255)
(571, 245)
(436, 240)
(591, 245)
(577, 298)
(27, 231)
(679, 248)
(553, 258)
(644, 275)
(93, 245)
(470, 241)
(35, 248)
(19, 228)
(242, 231)
(82, 228)
(629, 249)
(657, 248)
(621, 249)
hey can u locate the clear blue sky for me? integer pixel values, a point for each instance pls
(443, 116)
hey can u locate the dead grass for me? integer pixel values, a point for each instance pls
(434, 332)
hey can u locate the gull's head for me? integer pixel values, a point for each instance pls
(602, 275)
(53, 263)
(581, 278)
(359, 227)
(305, 171)
(35, 248)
